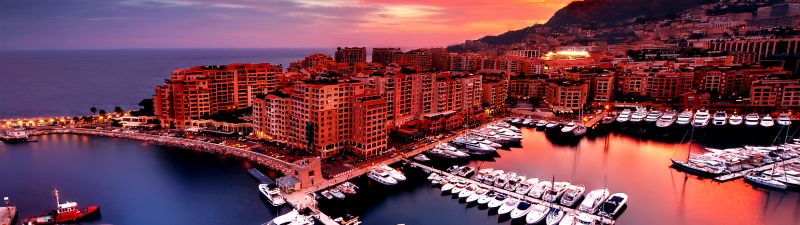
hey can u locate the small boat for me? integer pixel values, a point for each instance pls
(764, 181)
(522, 210)
(293, 217)
(767, 121)
(537, 214)
(459, 186)
(579, 130)
(381, 176)
(466, 171)
(509, 205)
(554, 216)
(611, 207)
(492, 177)
(526, 186)
(568, 127)
(14, 136)
(639, 115)
(541, 123)
(569, 219)
(479, 192)
(422, 158)
(684, 118)
(572, 195)
(272, 194)
(498, 200)
(551, 124)
(735, 120)
(667, 119)
(468, 191)
(653, 116)
(487, 197)
(555, 191)
(701, 118)
(539, 190)
(66, 212)
(624, 116)
(720, 118)
(751, 119)
(607, 120)
(585, 219)
(327, 194)
(784, 119)
(448, 186)
(593, 200)
(336, 193)
(394, 173)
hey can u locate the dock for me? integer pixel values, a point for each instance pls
(7, 215)
(260, 176)
(740, 174)
(514, 194)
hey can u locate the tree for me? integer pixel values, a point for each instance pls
(93, 110)
(102, 112)
(118, 110)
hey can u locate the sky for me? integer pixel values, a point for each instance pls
(104, 24)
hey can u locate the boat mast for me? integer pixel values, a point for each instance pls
(691, 138)
(58, 200)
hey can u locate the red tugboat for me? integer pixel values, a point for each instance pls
(66, 212)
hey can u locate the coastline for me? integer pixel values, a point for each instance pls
(195, 145)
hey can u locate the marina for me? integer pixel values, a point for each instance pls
(8, 213)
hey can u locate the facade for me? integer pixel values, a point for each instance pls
(351, 55)
(761, 47)
(566, 95)
(384, 55)
(603, 87)
(202, 91)
(775, 93)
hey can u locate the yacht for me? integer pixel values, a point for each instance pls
(579, 130)
(611, 207)
(326, 194)
(624, 116)
(467, 192)
(272, 193)
(492, 177)
(541, 123)
(639, 115)
(522, 210)
(569, 219)
(479, 148)
(448, 186)
(551, 124)
(593, 200)
(336, 193)
(767, 121)
(537, 214)
(508, 205)
(701, 118)
(554, 216)
(572, 195)
(555, 192)
(735, 120)
(653, 116)
(751, 119)
(764, 181)
(498, 200)
(381, 176)
(479, 193)
(585, 219)
(667, 119)
(514, 183)
(684, 118)
(784, 119)
(459, 186)
(526, 186)
(502, 180)
(569, 127)
(538, 190)
(485, 198)
(527, 122)
(720, 118)
(466, 171)
(422, 158)
(292, 218)
(394, 173)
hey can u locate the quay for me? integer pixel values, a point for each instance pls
(7, 215)
(514, 194)
(740, 174)
(260, 176)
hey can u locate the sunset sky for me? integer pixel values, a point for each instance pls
(70, 24)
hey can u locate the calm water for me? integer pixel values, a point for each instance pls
(637, 166)
(132, 182)
(69, 82)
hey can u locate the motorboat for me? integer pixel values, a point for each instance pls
(607, 120)
(487, 197)
(479, 192)
(784, 119)
(585, 219)
(767, 121)
(569, 219)
(526, 186)
(751, 119)
(468, 191)
(522, 210)
(537, 214)
(381, 176)
(337, 193)
(572, 195)
(538, 190)
(509, 205)
(667, 119)
(684, 118)
(764, 181)
(639, 115)
(611, 207)
(554, 216)
(482, 174)
(459, 186)
(568, 127)
(653, 116)
(421, 158)
(272, 194)
(293, 217)
(735, 120)
(65, 213)
(492, 177)
(720, 118)
(466, 171)
(624, 116)
(502, 180)
(541, 123)
(701, 118)
(394, 173)
(593, 200)
(480, 148)
(326, 194)
(579, 130)
(498, 200)
(433, 176)
(514, 183)
(348, 188)
(551, 124)
(555, 192)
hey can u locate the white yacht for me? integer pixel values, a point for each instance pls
(684, 118)
(767, 121)
(593, 200)
(653, 116)
(572, 195)
(568, 127)
(485, 198)
(381, 176)
(569, 219)
(479, 193)
(551, 124)
(468, 191)
(394, 173)
(784, 119)
(522, 210)
(701, 118)
(292, 218)
(751, 119)
(526, 186)
(639, 115)
(422, 158)
(585, 219)
(624, 116)
(537, 214)
(448, 186)
(538, 190)
(667, 119)
(479, 148)
(555, 192)
(612, 206)
(720, 118)
(459, 186)
(272, 193)
(541, 123)
(735, 120)
(554, 216)
(510, 204)
(764, 181)
(498, 200)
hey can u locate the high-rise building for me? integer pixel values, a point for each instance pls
(775, 92)
(351, 55)
(566, 95)
(384, 55)
(202, 91)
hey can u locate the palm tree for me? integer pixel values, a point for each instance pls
(118, 110)
(102, 112)
(93, 110)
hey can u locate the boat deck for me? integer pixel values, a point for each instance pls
(260, 176)
(740, 174)
(514, 194)
(7, 215)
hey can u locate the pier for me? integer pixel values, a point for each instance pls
(7, 215)
(260, 176)
(740, 174)
(567, 210)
